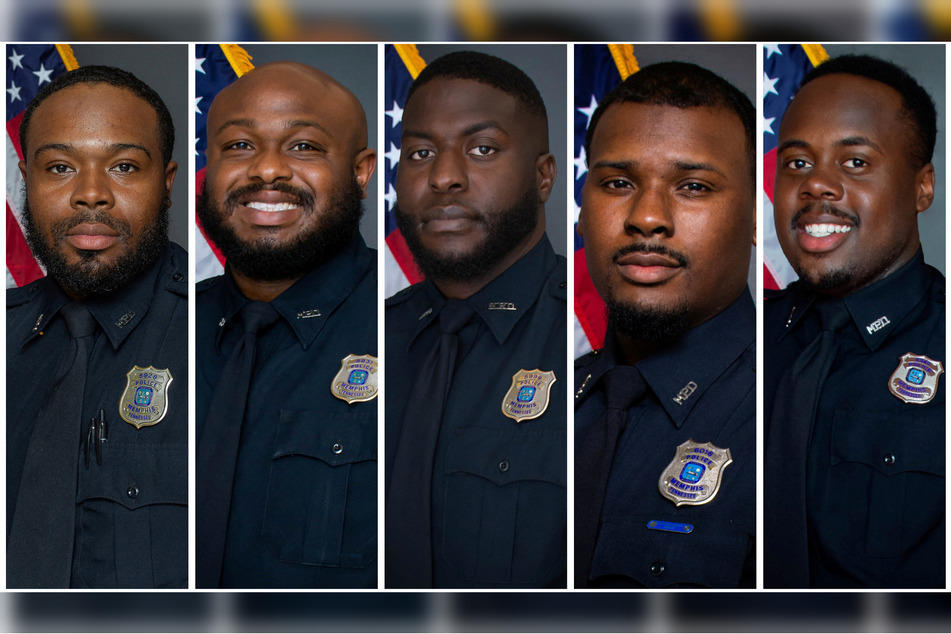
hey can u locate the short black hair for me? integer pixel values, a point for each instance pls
(114, 77)
(681, 85)
(486, 69)
(918, 105)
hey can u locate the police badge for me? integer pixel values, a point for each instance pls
(915, 380)
(527, 398)
(356, 381)
(144, 401)
(693, 476)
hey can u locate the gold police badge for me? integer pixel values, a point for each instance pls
(356, 381)
(144, 401)
(527, 398)
(915, 380)
(693, 476)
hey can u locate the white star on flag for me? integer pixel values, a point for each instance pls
(772, 48)
(196, 146)
(15, 60)
(589, 111)
(769, 85)
(14, 91)
(198, 65)
(396, 114)
(43, 74)
(390, 197)
(768, 125)
(393, 156)
(197, 111)
(581, 166)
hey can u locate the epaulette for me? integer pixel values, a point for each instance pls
(585, 359)
(23, 294)
(774, 293)
(402, 296)
(558, 287)
(207, 284)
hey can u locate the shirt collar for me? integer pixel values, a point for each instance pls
(878, 308)
(506, 299)
(309, 301)
(680, 374)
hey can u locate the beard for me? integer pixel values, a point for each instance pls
(91, 276)
(647, 325)
(265, 259)
(503, 232)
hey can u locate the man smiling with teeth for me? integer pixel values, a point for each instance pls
(854, 394)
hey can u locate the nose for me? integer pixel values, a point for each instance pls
(448, 173)
(269, 165)
(649, 214)
(821, 183)
(92, 190)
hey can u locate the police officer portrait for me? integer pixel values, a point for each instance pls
(286, 337)
(665, 411)
(855, 347)
(97, 363)
(476, 352)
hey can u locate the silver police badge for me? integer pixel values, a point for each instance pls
(693, 476)
(144, 401)
(915, 380)
(527, 398)
(356, 381)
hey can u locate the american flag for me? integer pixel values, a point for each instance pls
(784, 66)
(598, 69)
(30, 67)
(216, 66)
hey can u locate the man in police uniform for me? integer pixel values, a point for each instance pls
(97, 469)
(286, 472)
(854, 393)
(665, 453)
(475, 420)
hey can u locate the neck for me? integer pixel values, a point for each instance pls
(463, 289)
(260, 290)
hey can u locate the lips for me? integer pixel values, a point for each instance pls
(269, 208)
(448, 219)
(647, 268)
(91, 236)
(822, 234)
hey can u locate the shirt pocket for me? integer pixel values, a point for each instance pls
(133, 517)
(505, 506)
(321, 500)
(888, 470)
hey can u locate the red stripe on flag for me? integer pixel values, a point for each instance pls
(199, 185)
(13, 131)
(769, 282)
(20, 262)
(589, 307)
(769, 172)
(403, 257)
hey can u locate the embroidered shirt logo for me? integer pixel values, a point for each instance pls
(685, 393)
(877, 325)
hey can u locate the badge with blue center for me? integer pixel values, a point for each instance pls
(144, 400)
(527, 398)
(915, 380)
(356, 381)
(693, 476)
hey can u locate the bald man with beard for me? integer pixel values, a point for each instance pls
(286, 339)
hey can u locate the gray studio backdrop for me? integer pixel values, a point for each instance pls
(164, 67)
(547, 66)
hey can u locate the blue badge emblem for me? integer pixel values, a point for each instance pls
(527, 397)
(144, 400)
(358, 377)
(526, 394)
(915, 380)
(356, 381)
(693, 477)
(143, 396)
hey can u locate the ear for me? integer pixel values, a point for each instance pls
(22, 166)
(545, 174)
(170, 171)
(925, 187)
(364, 164)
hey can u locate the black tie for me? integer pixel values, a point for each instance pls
(409, 557)
(40, 550)
(218, 445)
(797, 397)
(623, 386)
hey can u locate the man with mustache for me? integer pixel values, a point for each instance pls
(286, 339)
(97, 383)
(854, 397)
(475, 420)
(665, 414)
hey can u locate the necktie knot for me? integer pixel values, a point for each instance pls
(454, 315)
(623, 387)
(79, 320)
(257, 316)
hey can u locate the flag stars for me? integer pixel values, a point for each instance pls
(15, 62)
(581, 164)
(14, 91)
(769, 85)
(768, 125)
(772, 49)
(392, 155)
(589, 111)
(197, 109)
(43, 75)
(390, 197)
(396, 114)
(198, 65)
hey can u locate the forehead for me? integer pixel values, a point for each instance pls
(455, 104)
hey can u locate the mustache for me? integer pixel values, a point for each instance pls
(644, 247)
(824, 208)
(304, 197)
(90, 216)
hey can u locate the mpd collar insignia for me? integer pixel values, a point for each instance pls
(356, 381)
(527, 398)
(915, 380)
(693, 476)
(144, 401)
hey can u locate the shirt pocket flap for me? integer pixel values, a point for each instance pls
(506, 456)
(136, 475)
(334, 438)
(889, 443)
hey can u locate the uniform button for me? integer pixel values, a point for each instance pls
(889, 459)
(132, 491)
(504, 465)
(657, 568)
(178, 277)
(337, 448)
(563, 285)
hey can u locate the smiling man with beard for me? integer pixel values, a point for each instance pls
(854, 393)
(475, 408)
(286, 339)
(97, 387)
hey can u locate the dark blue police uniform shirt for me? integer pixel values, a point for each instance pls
(875, 464)
(493, 526)
(301, 515)
(701, 388)
(131, 511)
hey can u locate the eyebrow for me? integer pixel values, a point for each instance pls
(472, 129)
(69, 147)
(251, 123)
(680, 166)
(849, 141)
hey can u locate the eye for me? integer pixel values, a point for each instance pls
(797, 164)
(483, 150)
(238, 145)
(125, 168)
(420, 155)
(616, 183)
(856, 163)
(60, 168)
(304, 146)
(696, 187)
